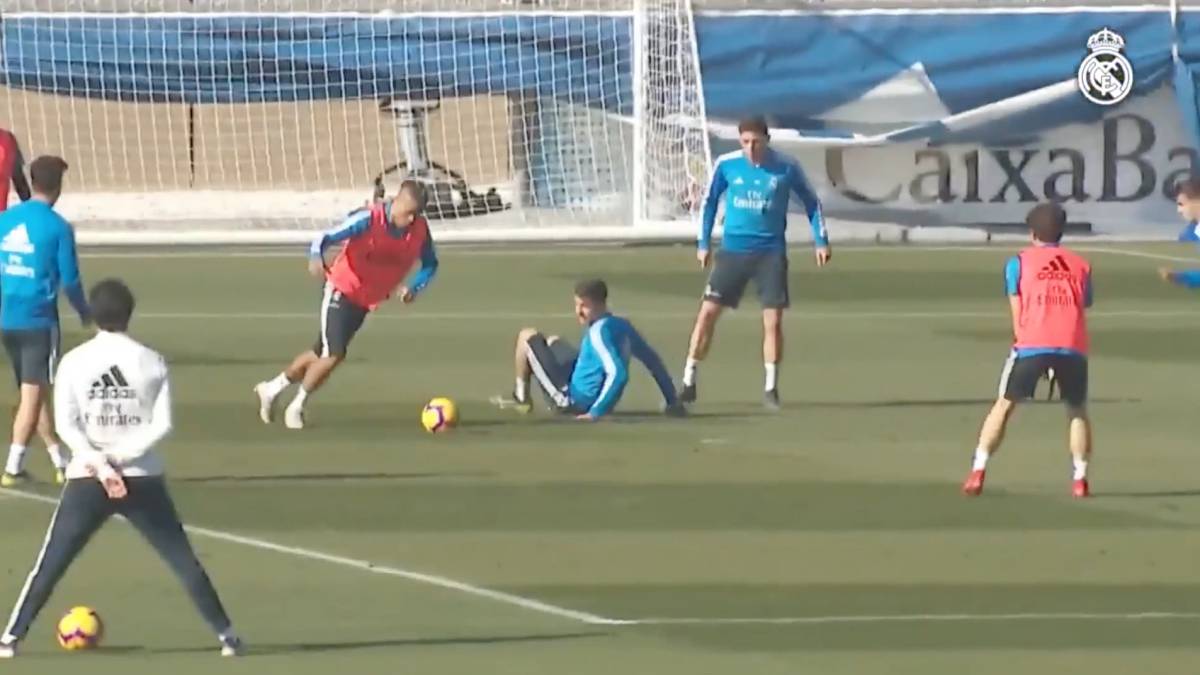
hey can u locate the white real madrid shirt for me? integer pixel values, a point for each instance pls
(112, 403)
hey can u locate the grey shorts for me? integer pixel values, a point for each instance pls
(33, 354)
(552, 364)
(1021, 375)
(340, 321)
(733, 271)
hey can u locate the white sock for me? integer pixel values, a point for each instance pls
(521, 390)
(981, 459)
(298, 402)
(276, 385)
(772, 375)
(689, 372)
(56, 457)
(1080, 468)
(16, 459)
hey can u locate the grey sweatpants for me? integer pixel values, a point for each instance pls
(82, 509)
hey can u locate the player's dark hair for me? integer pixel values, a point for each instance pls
(756, 125)
(112, 305)
(416, 190)
(1189, 188)
(592, 289)
(46, 174)
(1047, 222)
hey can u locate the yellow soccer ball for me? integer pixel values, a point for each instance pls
(80, 628)
(439, 415)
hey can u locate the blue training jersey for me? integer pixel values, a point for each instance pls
(38, 256)
(756, 203)
(1188, 278)
(602, 369)
(1012, 286)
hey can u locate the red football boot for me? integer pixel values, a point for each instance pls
(973, 486)
(1079, 489)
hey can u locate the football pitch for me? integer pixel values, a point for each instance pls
(828, 539)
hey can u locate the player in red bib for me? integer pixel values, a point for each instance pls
(11, 169)
(1049, 290)
(380, 245)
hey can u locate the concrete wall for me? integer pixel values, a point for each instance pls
(311, 146)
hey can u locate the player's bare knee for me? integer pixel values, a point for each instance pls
(709, 311)
(32, 393)
(772, 319)
(524, 334)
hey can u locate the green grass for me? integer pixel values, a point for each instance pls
(844, 505)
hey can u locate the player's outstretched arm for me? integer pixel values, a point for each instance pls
(68, 270)
(147, 436)
(1185, 278)
(642, 351)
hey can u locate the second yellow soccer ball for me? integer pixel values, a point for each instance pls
(440, 414)
(80, 628)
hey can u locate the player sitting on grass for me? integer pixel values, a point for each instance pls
(381, 245)
(1049, 289)
(1187, 203)
(588, 382)
(754, 184)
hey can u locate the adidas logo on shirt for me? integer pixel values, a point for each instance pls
(1056, 269)
(112, 385)
(17, 241)
(113, 391)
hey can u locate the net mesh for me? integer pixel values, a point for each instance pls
(276, 116)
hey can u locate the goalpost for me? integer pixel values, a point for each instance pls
(262, 121)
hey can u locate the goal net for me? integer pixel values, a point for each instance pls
(261, 121)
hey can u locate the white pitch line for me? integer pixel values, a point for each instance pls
(1141, 254)
(595, 619)
(367, 566)
(913, 618)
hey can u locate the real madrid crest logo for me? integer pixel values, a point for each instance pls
(1105, 76)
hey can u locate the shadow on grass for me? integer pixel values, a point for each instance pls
(316, 647)
(1148, 494)
(940, 403)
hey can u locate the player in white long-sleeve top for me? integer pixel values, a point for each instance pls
(112, 406)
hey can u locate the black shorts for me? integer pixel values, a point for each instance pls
(552, 364)
(340, 321)
(1022, 374)
(732, 271)
(33, 354)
